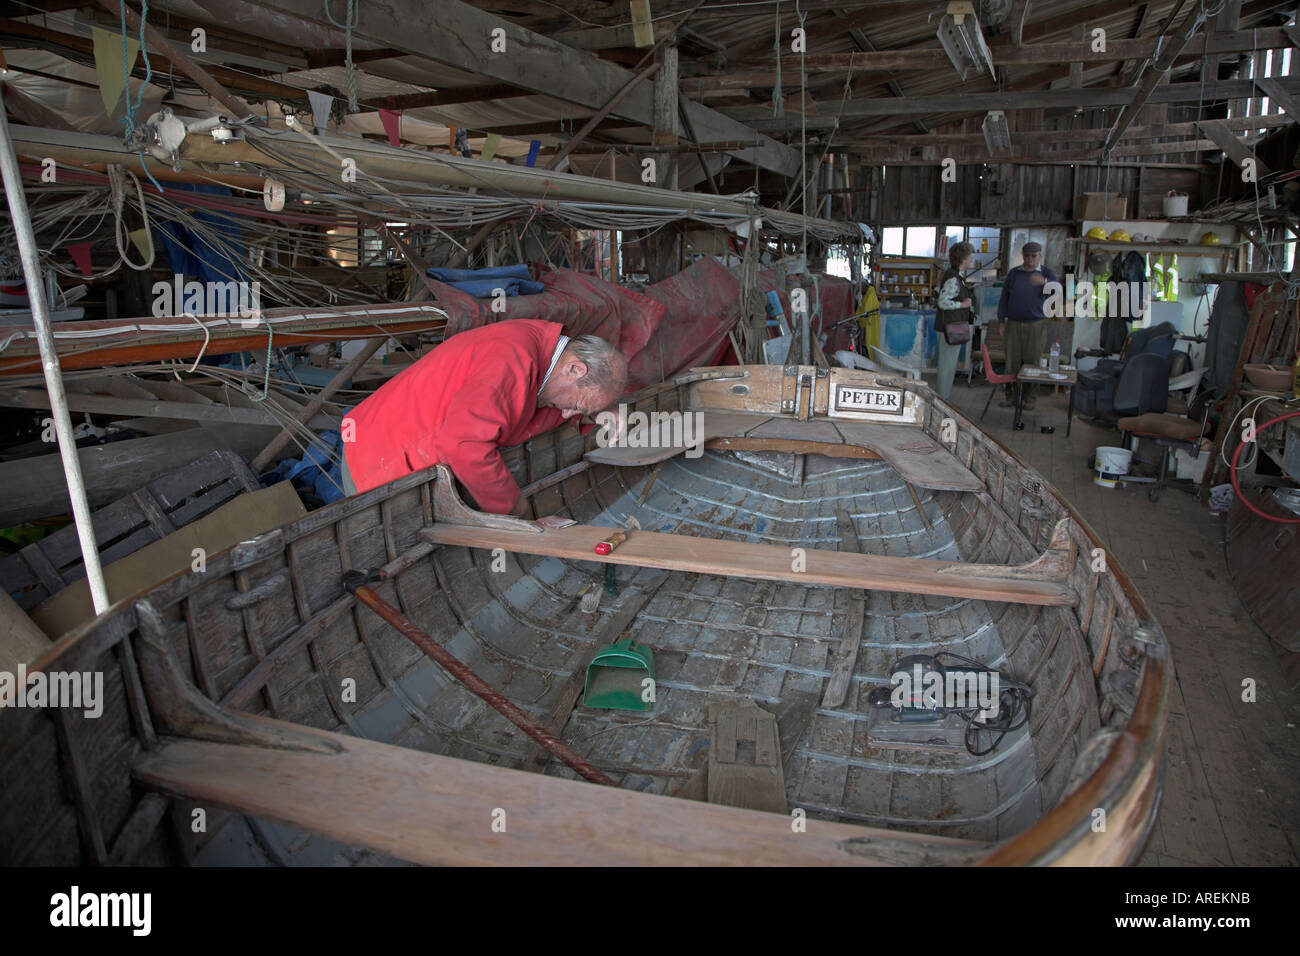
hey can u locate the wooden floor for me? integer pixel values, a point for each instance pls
(1231, 797)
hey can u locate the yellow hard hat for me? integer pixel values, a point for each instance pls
(1096, 232)
(1210, 239)
(1119, 235)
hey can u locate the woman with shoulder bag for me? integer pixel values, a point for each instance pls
(952, 319)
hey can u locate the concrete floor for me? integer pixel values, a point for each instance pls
(1232, 796)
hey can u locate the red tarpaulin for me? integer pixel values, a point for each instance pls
(677, 324)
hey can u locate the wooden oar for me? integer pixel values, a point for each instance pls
(355, 581)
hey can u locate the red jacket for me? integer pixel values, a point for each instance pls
(470, 396)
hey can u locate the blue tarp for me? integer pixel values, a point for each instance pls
(482, 283)
(190, 255)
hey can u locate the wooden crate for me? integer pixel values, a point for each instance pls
(128, 524)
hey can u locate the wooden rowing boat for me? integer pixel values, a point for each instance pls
(305, 729)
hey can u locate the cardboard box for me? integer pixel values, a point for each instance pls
(1101, 206)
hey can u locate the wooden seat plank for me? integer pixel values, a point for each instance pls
(436, 810)
(715, 425)
(674, 552)
(913, 454)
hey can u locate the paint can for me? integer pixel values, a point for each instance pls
(1175, 204)
(1111, 464)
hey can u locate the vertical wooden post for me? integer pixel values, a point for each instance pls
(666, 112)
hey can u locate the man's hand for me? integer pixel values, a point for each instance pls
(1002, 327)
(521, 509)
(965, 303)
(1036, 278)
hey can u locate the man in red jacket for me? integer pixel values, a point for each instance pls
(477, 392)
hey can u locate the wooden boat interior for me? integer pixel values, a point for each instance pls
(787, 559)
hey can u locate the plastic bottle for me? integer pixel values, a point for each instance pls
(1054, 363)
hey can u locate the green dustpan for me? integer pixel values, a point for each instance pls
(617, 675)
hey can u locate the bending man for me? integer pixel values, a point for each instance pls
(480, 391)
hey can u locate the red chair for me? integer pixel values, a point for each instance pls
(993, 378)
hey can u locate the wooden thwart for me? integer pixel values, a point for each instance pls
(431, 809)
(917, 457)
(673, 552)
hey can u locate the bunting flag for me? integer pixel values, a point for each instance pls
(140, 239)
(451, 140)
(80, 253)
(3, 65)
(108, 65)
(490, 146)
(534, 148)
(321, 106)
(392, 124)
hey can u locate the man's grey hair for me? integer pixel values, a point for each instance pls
(606, 367)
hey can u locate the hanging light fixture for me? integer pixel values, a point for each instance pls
(963, 41)
(997, 134)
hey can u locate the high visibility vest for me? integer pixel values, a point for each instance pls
(1156, 274)
(1164, 277)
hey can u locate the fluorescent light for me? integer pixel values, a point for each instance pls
(997, 134)
(963, 41)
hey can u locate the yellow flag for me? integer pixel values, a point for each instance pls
(490, 146)
(140, 239)
(108, 64)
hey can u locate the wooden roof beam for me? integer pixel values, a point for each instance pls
(1091, 97)
(459, 35)
(925, 58)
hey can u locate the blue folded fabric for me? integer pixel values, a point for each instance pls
(468, 275)
(318, 471)
(485, 288)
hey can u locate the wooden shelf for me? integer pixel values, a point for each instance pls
(1181, 249)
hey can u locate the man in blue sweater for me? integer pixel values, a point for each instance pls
(1021, 306)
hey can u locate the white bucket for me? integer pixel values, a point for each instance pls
(1112, 463)
(1175, 203)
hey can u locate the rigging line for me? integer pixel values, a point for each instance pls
(803, 126)
(353, 20)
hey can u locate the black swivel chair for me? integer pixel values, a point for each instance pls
(1097, 387)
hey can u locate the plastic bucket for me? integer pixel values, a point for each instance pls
(1112, 463)
(1175, 203)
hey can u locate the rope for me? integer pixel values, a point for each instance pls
(117, 185)
(353, 18)
(266, 381)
